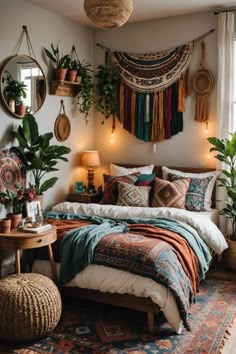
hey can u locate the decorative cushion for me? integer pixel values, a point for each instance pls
(145, 179)
(130, 195)
(110, 193)
(210, 186)
(122, 171)
(170, 194)
(195, 193)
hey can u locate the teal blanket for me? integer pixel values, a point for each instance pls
(78, 245)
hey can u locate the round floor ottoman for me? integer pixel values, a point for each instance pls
(30, 307)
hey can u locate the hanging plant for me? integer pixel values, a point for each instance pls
(106, 101)
(86, 94)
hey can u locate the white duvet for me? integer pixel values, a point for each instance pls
(106, 279)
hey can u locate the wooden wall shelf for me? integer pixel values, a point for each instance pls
(64, 88)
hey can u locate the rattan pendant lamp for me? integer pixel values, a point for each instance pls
(108, 13)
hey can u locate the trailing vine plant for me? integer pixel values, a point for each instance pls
(86, 94)
(106, 100)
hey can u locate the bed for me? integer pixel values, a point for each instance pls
(111, 276)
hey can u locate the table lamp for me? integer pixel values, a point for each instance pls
(90, 159)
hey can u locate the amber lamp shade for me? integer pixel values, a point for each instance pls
(90, 159)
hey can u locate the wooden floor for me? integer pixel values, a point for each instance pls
(220, 271)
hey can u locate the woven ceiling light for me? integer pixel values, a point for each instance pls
(108, 13)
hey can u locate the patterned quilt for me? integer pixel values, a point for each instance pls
(158, 249)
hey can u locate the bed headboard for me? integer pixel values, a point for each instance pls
(158, 171)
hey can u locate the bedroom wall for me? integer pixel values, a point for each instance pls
(44, 28)
(188, 148)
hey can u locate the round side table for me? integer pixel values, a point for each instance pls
(20, 240)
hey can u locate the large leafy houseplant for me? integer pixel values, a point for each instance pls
(106, 101)
(226, 153)
(36, 152)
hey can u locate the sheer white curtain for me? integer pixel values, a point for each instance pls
(225, 93)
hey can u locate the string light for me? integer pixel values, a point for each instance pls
(113, 129)
(206, 128)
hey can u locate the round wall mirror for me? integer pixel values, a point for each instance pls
(23, 85)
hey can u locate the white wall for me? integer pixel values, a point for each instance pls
(190, 147)
(45, 28)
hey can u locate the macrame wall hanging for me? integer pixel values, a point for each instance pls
(202, 85)
(152, 90)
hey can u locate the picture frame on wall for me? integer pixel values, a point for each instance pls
(33, 209)
(79, 187)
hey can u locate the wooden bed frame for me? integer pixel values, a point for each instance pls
(126, 300)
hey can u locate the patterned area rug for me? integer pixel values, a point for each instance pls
(87, 327)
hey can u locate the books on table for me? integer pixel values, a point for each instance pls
(37, 229)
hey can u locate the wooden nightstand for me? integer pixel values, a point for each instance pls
(84, 197)
(18, 240)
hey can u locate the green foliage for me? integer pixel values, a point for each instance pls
(226, 152)
(37, 154)
(107, 92)
(14, 89)
(60, 60)
(86, 93)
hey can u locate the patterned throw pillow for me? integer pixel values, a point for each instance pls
(196, 192)
(110, 193)
(130, 195)
(145, 179)
(210, 186)
(170, 194)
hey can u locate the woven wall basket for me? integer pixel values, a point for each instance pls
(108, 13)
(30, 307)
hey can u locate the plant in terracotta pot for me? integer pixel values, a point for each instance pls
(39, 156)
(15, 200)
(72, 70)
(226, 153)
(60, 61)
(86, 93)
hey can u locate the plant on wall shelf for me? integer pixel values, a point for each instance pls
(106, 101)
(37, 154)
(226, 153)
(86, 93)
(58, 59)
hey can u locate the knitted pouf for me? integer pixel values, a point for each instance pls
(30, 307)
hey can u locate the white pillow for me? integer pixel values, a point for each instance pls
(122, 171)
(210, 187)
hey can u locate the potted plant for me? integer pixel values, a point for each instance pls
(38, 155)
(107, 92)
(14, 91)
(15, 201)
(72, 70)
(86, 93)
(226, 153)
(60, 61)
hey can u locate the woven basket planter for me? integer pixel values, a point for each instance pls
(30, 307)
(108, 13)
(230, 254)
